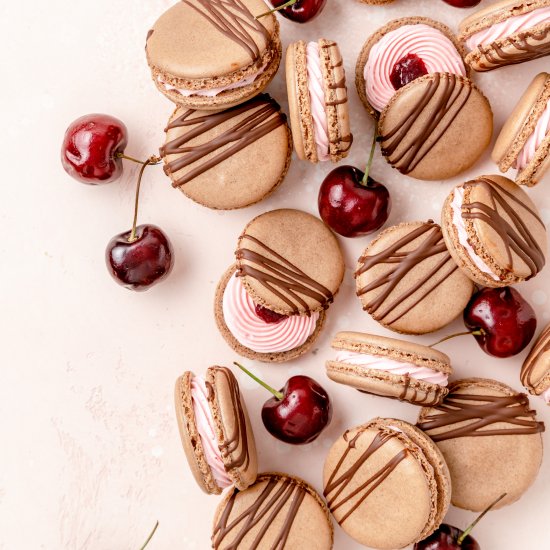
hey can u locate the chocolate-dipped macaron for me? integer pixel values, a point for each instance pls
(490, 439)
(494, 231)
(213, 55)
(207, 155)
(535, 372)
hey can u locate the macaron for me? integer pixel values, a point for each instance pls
(494, 231)
(318, 101)
(423, 127)
(208, 154)
(407, 280)
(535, 371)
(401, 50)
(390, 368)
(386, 484)
(524, 141)
(212, 55)
(490, 439)
(506, 33)
(215, 430)
(278, 511)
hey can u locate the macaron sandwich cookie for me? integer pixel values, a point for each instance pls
(494, 231)
(407, 280)
(213, 54)
(270, 306)
(391, 368)
(490, 439)
(215, 430)
(386, 484)
(318, 101)
(278, 511)
(506, 33)
(535, 372)
(208, 155)
(524, 141)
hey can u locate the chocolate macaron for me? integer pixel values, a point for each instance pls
(407, 280)
(208, 155)
(212, 55)
(318, 101)
(278, 511)
(494, 231)
(215, 430)
(386, 484)
(390, 368)
(535, 372)
(490, 439)
(271, 305)
(506, 33)
(524, 141)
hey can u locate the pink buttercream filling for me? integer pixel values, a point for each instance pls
(392, 366)
(205, 427)
(317, 99)
(546, 396)
(251, 331)
(436, 51)
(508, 27)
(542, 129)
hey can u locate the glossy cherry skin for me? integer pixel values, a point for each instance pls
(302, 11)
(506, 318)
(444, 538)
(303, 413)
(140, 264)
(463, 3)
(269, 316)
(349, 208)
(406, 70)
(89, 149)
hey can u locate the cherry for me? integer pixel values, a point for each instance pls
(299, 11)
(298, 413)
(407, 69)
(351, 203)
(93, 148)
(268, 315)
(463, 3)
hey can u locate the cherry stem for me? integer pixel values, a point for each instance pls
(276, 393)
(478, 332)
(468, 530)
(282, 7)
(365, 180)
(153, 160)
(132, 159)
(150, 536)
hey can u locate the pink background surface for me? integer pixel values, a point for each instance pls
(90, 455)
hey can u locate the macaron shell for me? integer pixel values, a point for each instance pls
(535, 371)
(243, 351)
(424, 124)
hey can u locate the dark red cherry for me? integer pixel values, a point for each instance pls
(406, 70)
(90, 148)
(463, 3)
(268, 315)
(299, 11)
(445, 538)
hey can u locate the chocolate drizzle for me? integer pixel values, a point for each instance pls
(263, 511)
(340, 478)
(281, 277)
(514, 234)
(233, 19)
(480, 412)
(263, 116)
(541, 346)
(444, 97)
(400, 264)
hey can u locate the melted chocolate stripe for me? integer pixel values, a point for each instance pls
(541, 347)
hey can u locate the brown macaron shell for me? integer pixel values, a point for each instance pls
(408, 282)
(494, 234)
(386, 484)
(375, 37)
(232, 427)
(505, 460)
(422, 128)
(384, 383)
(519, 127)
(243, 351)
(208, 155)
(290, 262)
(518, 47)
(535, 371)
(292, 516)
